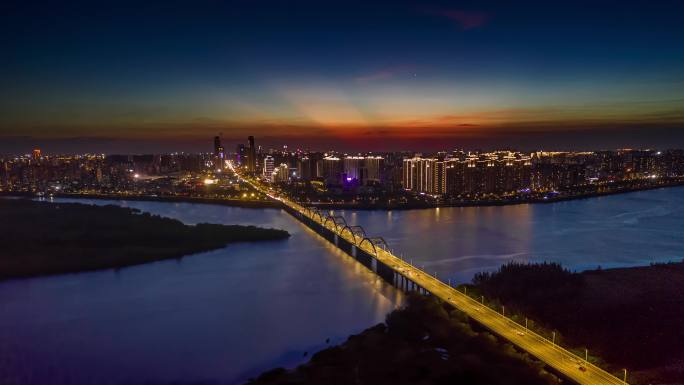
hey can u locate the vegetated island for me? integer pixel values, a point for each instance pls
(631, 317)
(424, 342)
(246, 203)
(40, 238)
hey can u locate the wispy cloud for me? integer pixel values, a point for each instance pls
(383, 74)
(465, 19)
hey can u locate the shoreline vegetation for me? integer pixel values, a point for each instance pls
(424, 342)
(42, 238)
(630, 317)
(413, 205)
(257, 204)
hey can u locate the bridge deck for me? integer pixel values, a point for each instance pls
(553, 355)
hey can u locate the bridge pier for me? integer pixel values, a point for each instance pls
(405, 284)
(555, 358)
(387, 273)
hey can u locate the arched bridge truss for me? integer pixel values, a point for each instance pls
(336, 220)
(375, 242)
(357, 233)
(314, 212)
(340, 225)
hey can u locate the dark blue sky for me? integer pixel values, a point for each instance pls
(149, 76)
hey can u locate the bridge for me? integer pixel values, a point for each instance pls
(374, 253)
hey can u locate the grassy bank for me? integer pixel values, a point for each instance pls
(631, 317)
(41, 238)
(425, 342)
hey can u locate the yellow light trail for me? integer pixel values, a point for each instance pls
(552, 354)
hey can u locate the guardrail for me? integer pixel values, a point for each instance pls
(588, 376)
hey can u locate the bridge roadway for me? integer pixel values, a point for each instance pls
(562, 360)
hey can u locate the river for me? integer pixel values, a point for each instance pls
(223, 316)
(611, 231)
(211, 318)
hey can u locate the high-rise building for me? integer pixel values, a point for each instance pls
(304, 168)
(281, 173)
(353, 166)
(240, 154)
(219, 153)
(455, 170)
(251, 162)
(329, 168)
(419, 174)
(373, 166)
(217, 146)
(439, 179)
(36, 153)
(410, 179)
(269, 164)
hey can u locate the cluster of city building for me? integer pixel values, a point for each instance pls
(179, 174)
(462, 175)
(507, 172)
(465, 173)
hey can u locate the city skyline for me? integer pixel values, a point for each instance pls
(159, 77)
(386, 192)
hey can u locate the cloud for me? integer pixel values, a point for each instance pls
(466, 19)
(383, 74)
(323, 105)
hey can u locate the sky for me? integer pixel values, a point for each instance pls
(152, 76)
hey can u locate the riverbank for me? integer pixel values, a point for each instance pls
(541, 199)
(246, 203)
(42, 238)
(631, 317)
(425, 342)
(414, 205)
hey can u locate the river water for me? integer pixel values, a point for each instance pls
(210, 318)
(611, 231)
(223, 316)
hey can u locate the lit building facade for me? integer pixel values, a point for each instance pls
(269, 165)
(330, 170)
(281, 173)
(491, 173)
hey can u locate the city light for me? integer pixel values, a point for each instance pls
(376, 249)
(420, 175)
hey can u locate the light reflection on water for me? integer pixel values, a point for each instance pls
(228, 314)
(619, 230)
(219, 316)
